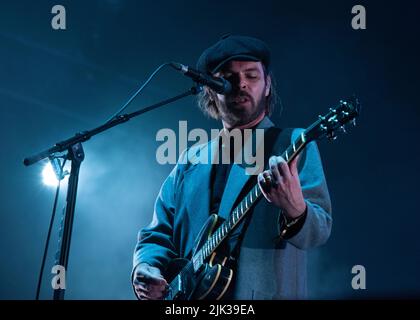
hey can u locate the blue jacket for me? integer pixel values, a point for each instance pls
(267, 268)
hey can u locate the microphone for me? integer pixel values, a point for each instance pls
(218, 84)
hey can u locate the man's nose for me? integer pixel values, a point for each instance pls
(238, 82)
(242, 83)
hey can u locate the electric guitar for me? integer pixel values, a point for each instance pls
(206, 275)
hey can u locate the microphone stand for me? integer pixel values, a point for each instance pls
(76, 155)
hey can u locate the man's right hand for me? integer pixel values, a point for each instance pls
(148, 282)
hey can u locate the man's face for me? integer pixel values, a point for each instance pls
(250, 88)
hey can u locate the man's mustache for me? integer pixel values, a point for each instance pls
(240, 94)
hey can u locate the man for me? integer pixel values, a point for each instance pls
(269, 250)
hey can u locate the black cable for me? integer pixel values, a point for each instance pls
(139, 90)
(44, 257)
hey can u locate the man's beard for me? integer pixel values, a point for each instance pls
(236, 115)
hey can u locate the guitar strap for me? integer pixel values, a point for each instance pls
(274, 139)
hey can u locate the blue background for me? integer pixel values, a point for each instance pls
(55, 83)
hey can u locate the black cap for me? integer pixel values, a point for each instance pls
(231, 47)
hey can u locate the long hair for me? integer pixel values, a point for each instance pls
(207, 103)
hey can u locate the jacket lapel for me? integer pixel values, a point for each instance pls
(238, 176)
(236, 181)
(197, 187)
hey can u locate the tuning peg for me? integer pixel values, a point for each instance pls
(333, 110)
(333, 120)
(323, 127)
(343, 129)
(353, 122)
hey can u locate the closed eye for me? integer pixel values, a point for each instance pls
(252, 76)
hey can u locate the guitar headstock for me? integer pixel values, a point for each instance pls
(335, 121)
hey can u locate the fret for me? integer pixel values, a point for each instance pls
(230, 222)
(288, 153)
(294, 147)
(250, 195)
(200, 258)
(242, 208)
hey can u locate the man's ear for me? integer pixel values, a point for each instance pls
(267, 86)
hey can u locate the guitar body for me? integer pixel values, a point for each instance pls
(210, 282)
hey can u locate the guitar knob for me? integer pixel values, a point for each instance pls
(332, 136)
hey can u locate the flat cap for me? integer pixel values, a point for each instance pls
(233, 47)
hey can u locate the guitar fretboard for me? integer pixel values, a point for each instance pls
(241, 209)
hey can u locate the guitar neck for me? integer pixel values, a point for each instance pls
(242, 208)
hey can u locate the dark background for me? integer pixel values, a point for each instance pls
(55, 83)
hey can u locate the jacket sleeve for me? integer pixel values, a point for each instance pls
(316, 227)
(155, 245)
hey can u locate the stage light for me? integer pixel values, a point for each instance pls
(53, 172)
(48, 176)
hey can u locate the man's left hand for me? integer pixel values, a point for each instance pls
(280, 185)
